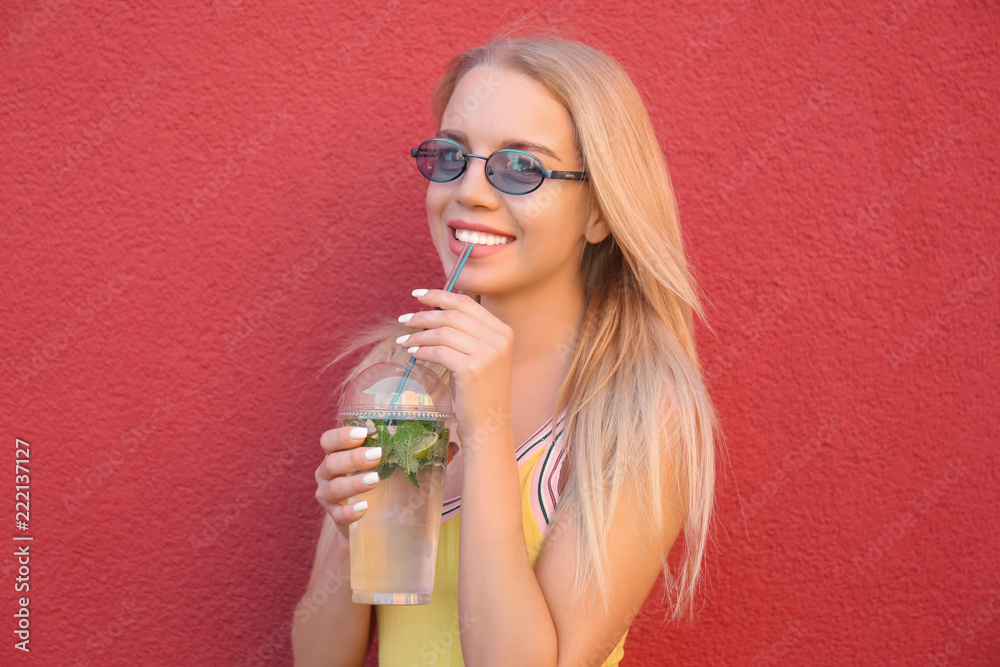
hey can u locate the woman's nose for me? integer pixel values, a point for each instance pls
(474, 188)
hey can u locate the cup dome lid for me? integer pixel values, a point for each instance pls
(385, 391)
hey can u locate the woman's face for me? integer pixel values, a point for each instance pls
(545, 231)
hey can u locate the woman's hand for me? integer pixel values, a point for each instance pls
(335, 478)
(474, 345)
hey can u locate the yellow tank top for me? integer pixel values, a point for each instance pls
(425, 635)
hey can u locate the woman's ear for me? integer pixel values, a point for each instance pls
(598, 227)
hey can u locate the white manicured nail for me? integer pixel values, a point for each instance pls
(370, 479)
(402, 339)
(413, 349)
(360, 507)
(359, 433)
(403, 319)
(373, 453)
(418, 292)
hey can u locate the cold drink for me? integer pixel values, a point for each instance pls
(394, 546)
(406, 411)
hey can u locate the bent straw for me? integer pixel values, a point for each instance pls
(452, 279)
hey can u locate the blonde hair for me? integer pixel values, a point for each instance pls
(636, 409)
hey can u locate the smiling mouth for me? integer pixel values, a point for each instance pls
(481, 238)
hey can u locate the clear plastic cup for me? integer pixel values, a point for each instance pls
(394, 545)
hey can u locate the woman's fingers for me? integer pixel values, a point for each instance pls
(336, 492)
(461, 335)
(456, 304)
(457, 320)
(456, 340)
(342, 473)
(338, 464)
(344, 515)
(463, 332)
(345, 437)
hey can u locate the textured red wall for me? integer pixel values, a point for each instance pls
(201, 200)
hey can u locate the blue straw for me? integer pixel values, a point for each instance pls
(447, 288)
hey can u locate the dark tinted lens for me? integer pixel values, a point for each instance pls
(440, 160)
(514, 172)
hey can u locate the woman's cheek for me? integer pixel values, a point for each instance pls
(438, 197)
(435, 220)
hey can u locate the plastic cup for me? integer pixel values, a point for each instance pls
(394, 545)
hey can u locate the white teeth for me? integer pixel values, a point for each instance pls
(479, 238)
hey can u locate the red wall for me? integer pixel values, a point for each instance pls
(201, 200)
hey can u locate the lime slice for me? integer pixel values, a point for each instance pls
(425, 448)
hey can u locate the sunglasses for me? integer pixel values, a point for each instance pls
(510, 171)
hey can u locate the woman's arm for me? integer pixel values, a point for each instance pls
(329, 629)
(511, 613)
(518, 615)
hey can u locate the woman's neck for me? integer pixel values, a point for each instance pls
(545, 320)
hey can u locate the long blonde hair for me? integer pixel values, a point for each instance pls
(636, 409)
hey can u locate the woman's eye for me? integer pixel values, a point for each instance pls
(522, 165)
(453, 158)
(523, 169)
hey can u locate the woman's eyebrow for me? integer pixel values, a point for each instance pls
(457, 137)
(518, 144)
(530, 147)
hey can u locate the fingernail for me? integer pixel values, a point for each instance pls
(413, 349)
(360, 507)
(359, 433)
(403, 319)
(402, 339)
(373, 453)
(370, 479)
(418, 292)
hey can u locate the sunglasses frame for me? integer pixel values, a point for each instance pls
(546, 173)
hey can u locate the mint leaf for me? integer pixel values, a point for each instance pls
(407, 444)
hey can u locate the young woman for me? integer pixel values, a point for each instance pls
(586, 433)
